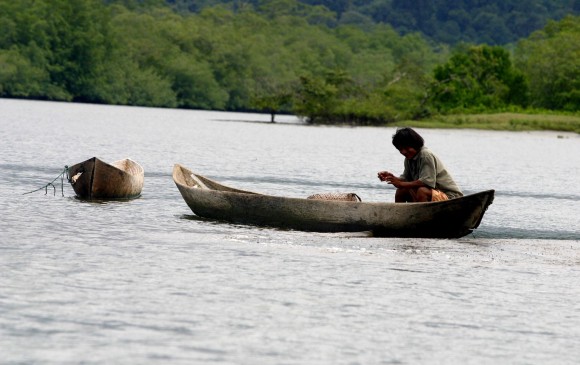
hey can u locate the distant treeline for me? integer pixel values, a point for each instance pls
(492, 22)
(278, 56)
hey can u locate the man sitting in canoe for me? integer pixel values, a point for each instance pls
(425, 177)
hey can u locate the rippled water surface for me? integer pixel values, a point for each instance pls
(146, 282)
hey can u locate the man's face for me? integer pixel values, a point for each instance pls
(408, 152)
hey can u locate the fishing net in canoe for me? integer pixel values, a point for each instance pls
(349, 197)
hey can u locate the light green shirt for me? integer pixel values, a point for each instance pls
(429, 169)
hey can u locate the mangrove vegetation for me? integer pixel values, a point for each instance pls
(280, 56)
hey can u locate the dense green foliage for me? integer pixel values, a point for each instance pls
(274, 56)
(478, 77)
(551, 60)
(52, 50)
(493, 22)
(138, 54)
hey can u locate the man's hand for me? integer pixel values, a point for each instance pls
(395, 181)
(384, 175)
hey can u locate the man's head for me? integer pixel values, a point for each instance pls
(408, 142)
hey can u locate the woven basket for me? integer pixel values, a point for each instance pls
(349, 197)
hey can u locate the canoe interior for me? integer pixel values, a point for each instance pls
(447, 219)
(195, 181)
(94, 179)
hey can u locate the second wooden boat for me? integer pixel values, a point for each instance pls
(94, 179)
(446, 219)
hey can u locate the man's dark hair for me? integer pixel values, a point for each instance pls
(407, 137)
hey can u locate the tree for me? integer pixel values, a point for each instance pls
(19, 77)
(79, 43)
(550, 59)
(320, 98)
(64, 44)
(272, 99)
(477, 77)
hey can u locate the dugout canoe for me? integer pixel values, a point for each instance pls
(95, 179)
(446, 219)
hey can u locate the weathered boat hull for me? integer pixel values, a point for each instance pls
(94, 179)
(447, 219)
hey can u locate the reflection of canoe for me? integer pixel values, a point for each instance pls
(446, 219)
(94, 179)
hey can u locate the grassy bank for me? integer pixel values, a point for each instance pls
(501, 121)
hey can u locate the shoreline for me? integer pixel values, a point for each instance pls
(504, 121)
(516, 122)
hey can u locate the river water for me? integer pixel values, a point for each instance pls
(146, 282)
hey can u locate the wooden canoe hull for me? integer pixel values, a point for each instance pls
(447, 219)
(94, 179)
